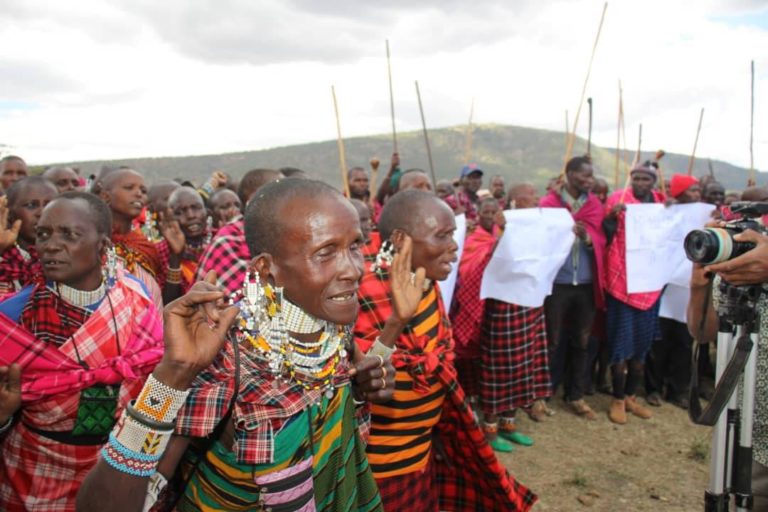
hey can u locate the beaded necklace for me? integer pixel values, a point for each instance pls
(312, 365)
(81, 298)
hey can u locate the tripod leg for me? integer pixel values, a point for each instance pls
(716, 497)
(742, 469)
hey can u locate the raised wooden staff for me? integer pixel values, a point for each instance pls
(391, 101)
(468, 137)
(572, 138)
(619, 124)
(657, 158)
(695, 143)
(426, 137)
(340, 143)
(589, 131)
(752, 182)
(638, 154)
(374, 177)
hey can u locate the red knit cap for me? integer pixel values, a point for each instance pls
(680, 183)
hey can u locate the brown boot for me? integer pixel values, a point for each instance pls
(580, 408)
(635, 408)
(617, 413)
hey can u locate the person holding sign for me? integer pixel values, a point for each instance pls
(631, 317)
(668, 364)
(577, 291)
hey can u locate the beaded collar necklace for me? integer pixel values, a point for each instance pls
(81, 298)
(312, 365)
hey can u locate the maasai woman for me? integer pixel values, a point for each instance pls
(281, 391)
(76, 350)
(19, 263)
(126, 195)
(428, 402)
(185, 237)
(225, 207)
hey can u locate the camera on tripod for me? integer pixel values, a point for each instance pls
(714, 245)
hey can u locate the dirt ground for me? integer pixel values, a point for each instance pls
(660, 464)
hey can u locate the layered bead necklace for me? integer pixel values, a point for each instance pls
(310, 364)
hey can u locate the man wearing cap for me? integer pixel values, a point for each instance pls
(466, 200)
(631, 317)
(669, 362)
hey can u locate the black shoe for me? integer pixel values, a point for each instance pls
(679, 401)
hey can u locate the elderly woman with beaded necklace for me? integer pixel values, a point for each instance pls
(76, 348)
(284, 401)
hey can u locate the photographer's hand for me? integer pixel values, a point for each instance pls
(749, 268)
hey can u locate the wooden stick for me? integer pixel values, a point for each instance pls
(468, 138)
(426, 138)
(695, 143)
(572, 138)
(374, 178)
(567, 129)
(589, 131)
(340, 141)
(638, 154)
(752, 182)
(391, 101)
(711, 168)
(618, 139)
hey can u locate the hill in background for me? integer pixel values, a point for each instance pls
(519, 154)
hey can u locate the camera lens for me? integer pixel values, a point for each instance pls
(709, 245)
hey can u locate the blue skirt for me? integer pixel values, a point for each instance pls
(630, 330)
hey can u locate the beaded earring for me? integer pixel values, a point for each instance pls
(208, 229)
(110, 267)
(254, 300)
(384, 257)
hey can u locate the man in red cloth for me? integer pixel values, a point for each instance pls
(577, 292)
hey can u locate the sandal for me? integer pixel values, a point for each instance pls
(580, 408)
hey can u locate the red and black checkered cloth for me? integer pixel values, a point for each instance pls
(406, 492)
(515, 366)
(470, 478)
(228, 255)
(17, 271)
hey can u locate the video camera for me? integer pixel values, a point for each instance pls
(715, 245)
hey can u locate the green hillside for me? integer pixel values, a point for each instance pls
(520, 154)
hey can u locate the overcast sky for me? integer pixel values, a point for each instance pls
(113, 79)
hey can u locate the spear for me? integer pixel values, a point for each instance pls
(391, 100)
(340, 143)
(695, 143)
(426, 137)
(589, 132)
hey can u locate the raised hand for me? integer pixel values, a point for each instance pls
(218, 179)
(10, 391)
(171, 231)
(196, 327)
(407, 286)
(8, 234)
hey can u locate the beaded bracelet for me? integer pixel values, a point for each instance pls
(139, 437)
(380, 349)
(128, 461)
(158, 402)
(174, 276)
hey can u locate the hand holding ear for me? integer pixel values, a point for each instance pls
(407, 286)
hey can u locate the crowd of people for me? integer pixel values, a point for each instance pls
(270, 343)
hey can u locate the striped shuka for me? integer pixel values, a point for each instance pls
(429, 403)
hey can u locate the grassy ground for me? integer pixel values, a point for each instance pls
(660, 464)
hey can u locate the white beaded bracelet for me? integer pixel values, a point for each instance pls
(141, 438)
(159, 402)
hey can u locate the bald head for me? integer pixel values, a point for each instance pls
(523, 195)
(65, 178)
(406, 210)
(253, 181)
(113, 177)
(414, 179)
(757, 194)
(158, 195)
(186, 194)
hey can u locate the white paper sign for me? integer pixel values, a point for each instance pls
(535, 244)
(447, 286)
(674, 303)
(654, 241)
